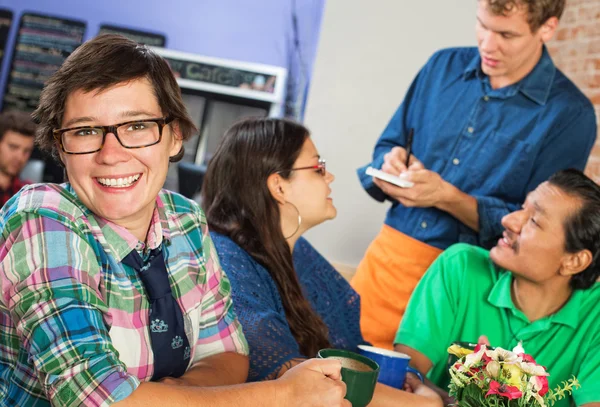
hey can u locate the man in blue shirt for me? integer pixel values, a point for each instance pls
(490, 124)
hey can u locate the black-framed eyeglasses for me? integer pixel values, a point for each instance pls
(132, 134)
(321, 168)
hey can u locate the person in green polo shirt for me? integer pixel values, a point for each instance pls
(537, 287)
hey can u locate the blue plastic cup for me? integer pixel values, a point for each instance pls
(393, 366)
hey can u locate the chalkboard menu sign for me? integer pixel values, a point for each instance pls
(5, 22)
(43, 43)
(142, 37)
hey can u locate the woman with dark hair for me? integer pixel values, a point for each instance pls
(265, 186)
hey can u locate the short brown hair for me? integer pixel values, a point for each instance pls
(19, 122)
(98, 64)
(538, 11)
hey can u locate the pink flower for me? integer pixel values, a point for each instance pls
(527, 358)
(540, 384)
(481, 354)
(510, 392)
(474, 358)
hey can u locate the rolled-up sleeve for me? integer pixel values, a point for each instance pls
(49, 277)
(491, 211)
(568, 146)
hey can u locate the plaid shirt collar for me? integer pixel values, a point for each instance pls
(118, 241)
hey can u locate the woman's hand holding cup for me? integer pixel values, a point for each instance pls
(316, 382)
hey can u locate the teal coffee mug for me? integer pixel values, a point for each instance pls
(358, 372)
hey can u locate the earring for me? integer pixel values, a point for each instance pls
(299, 220)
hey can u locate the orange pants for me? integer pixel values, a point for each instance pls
(385, 278)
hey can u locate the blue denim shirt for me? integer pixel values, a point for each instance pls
(494, 144)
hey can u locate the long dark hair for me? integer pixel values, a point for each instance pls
(238, 204)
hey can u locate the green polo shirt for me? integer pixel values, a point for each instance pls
(463, 295)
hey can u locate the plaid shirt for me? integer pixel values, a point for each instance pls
(13, 188)
(74, 323)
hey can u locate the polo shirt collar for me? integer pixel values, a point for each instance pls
(500, 296)
(536, 85)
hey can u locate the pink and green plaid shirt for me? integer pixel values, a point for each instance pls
(74, 326)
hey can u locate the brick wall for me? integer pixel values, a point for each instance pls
(576, 51)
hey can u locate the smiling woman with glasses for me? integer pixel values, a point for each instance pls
(116, 292)
(289, 299)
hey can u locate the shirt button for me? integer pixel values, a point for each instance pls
(424, 225)
(470, 129)
(456, 161)
(486, 98)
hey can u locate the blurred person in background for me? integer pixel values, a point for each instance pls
(17, 131)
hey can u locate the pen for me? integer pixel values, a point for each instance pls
(409, 142)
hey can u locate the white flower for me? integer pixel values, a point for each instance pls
(519, 348)
(533, 370)
(503, 355)
(493, 368)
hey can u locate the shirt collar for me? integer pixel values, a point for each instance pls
(473, 68)
(118, 241)
(500, 296)
(536, 85)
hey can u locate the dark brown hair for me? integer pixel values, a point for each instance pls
(98, 64)
(538, 11)
(582, 228)
(238, 204)
(19, 122)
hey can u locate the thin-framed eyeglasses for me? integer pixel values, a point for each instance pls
(319, 168)
(131, 134)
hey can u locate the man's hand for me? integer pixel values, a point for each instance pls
(428, 184)
(316, 382)
(412, 384)
(483, 340)
(429, 189)
(394, 162)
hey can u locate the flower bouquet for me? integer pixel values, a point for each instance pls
(501, 378)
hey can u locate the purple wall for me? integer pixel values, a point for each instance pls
(259, 31)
